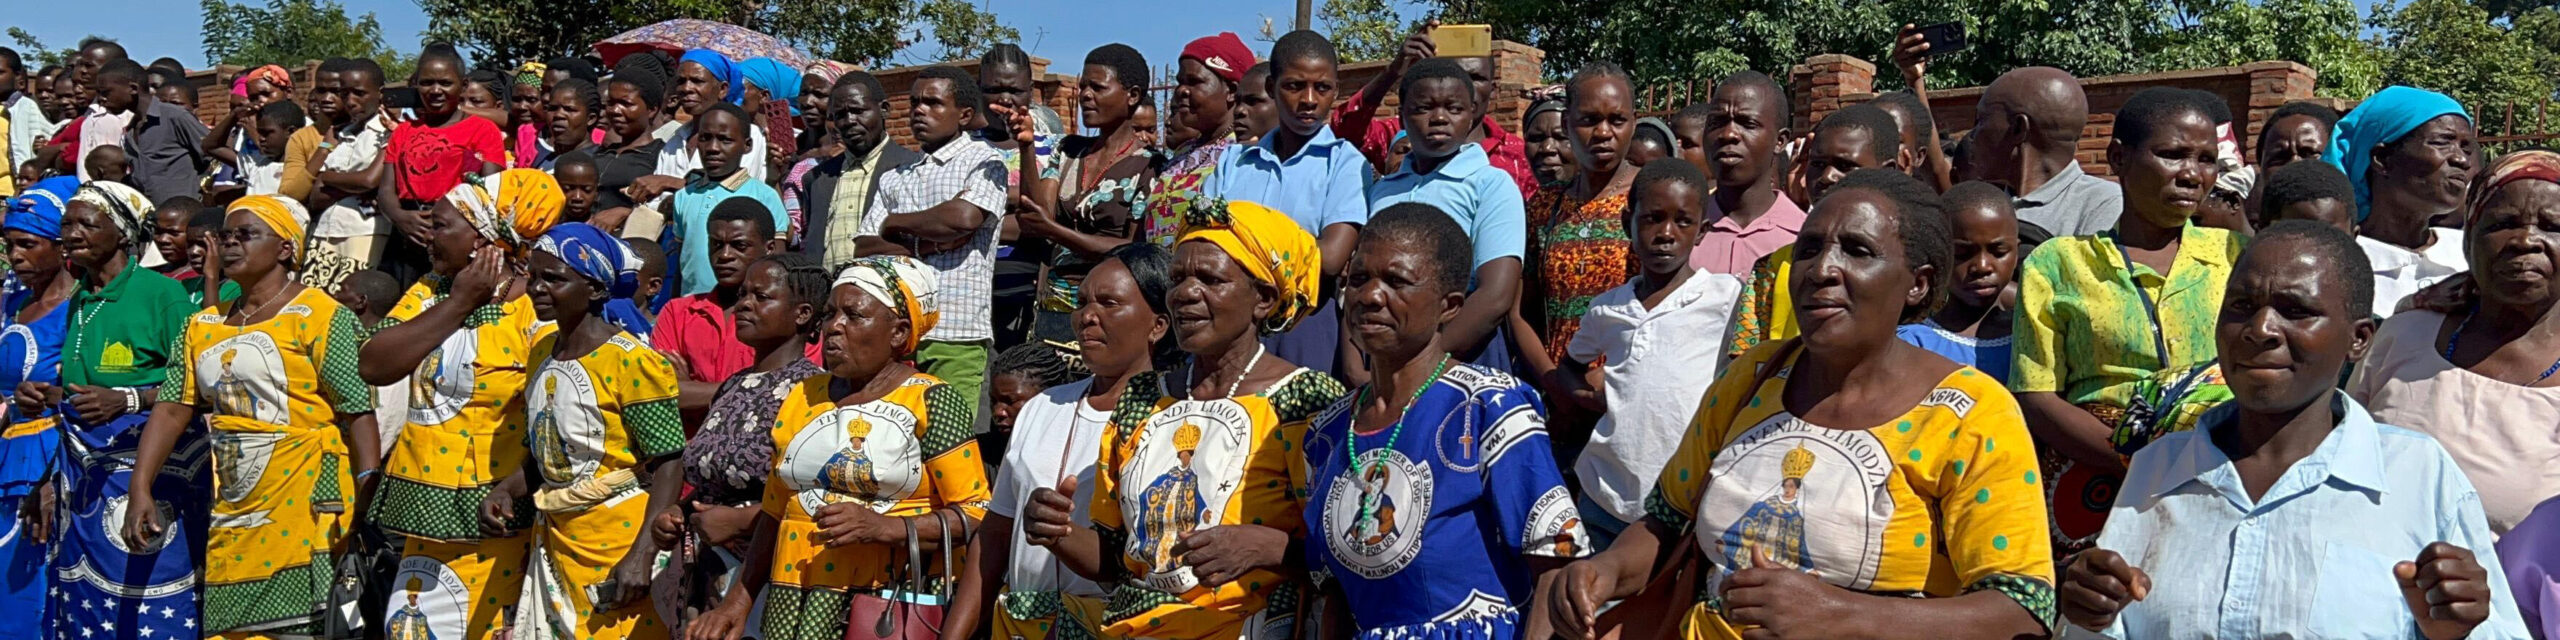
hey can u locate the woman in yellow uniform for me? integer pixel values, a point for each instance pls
(460, 338)
(1200, 488)
(604, 448)
(866, 458)
(293, 436)
(1842, 483)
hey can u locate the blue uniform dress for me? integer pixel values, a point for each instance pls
(29, 445)
(103, 587)
(1428, 538)
(1991, 356)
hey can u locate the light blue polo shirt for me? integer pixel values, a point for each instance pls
(1481, 198)
(1327, 183)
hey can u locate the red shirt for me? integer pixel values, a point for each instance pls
(697, 331)
(431, 160)
(1356, 120)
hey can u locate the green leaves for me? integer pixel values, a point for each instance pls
(1362, 30)
(290, 32)
(866, 32)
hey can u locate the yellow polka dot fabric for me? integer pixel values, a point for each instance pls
(1940, 501)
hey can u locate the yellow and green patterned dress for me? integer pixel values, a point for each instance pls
(465, 433)
(904, 455)
(1170, 467)
(1940, 502)
(594, 421)
(274, 393)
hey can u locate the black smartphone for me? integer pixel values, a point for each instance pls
(400, 98)
(1943, 38)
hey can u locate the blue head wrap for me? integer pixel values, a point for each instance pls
(720, 67)
(777, 79)
(605, 260)
(38, 210)
(2381, 119)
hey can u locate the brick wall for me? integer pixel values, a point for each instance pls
(1056, 91)
(1826, 83)
(1516, 71)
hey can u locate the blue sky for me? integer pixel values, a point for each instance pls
(1060, 30)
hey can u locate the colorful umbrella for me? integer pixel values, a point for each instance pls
(679, 35)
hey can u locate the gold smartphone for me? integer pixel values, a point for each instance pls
(1462, 40)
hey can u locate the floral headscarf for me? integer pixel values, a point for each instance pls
(2534, 164)
(1272, 247)
(127, 207)
(904, 284)
(512, 207)
(604, 259)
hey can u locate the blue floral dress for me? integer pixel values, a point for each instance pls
(1428, 536)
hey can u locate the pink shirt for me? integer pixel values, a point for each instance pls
(1730, 248)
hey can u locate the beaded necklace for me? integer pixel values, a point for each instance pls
(2456, 339)
(1369, 500)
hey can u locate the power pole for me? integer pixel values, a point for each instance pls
(1306, 14)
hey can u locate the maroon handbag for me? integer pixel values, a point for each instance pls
(910, 613)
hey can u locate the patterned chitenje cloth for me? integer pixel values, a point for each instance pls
(1579, 250)
(2530, 164)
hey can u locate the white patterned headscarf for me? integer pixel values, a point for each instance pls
(127, 207)
(904, 284)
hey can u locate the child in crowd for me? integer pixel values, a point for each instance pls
(1319, 179)
(1653, 141)
(1396, 153)
(170, 227)
(1689, 131)
(2314, 191)
(1644, 355)
(371, 295)
(579, 179)
(653, 274)
(264, 170)
(108, 163)
(1256, 112)
(1973, 328)
(1458, 178)
(1018, 375)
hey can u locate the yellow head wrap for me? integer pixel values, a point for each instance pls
(1270, 246)
(903, 283)
(511, 208)
(282, 216)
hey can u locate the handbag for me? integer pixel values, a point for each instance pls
(1658, 610)
(359, 571)
(910, 613)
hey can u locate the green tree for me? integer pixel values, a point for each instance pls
(37, 55)
(962, 30)
(289, 32)
(1362, 30)
(2320, 34)
(2453, 47)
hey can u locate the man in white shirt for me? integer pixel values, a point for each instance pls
(348, 93)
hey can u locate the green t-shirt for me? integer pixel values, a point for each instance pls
(125, 334)
(195, 291)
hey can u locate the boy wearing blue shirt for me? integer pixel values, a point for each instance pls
(1438, 104)
(1303, 170)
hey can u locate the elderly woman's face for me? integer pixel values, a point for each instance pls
(2430, 168)
(558, 291)
(250, 250)
(450, 238)
(1214, 301)
(89, 234)
(2514, 244)
(1851, 278)
(34, 258)
(863, 334)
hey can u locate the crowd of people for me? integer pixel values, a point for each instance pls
(687, 346)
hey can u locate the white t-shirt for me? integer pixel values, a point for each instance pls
(352, 217)
(1656, 364)
(1056, 435)
(2398, 272)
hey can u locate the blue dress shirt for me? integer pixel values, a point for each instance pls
(1481, 198)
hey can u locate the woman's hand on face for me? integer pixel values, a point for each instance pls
(2097, 584)
(1568, 601)
(479, 282)
(1787, 603)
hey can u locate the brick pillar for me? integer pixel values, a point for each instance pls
(2271, 85)
(1516, 68)
(1817, 86)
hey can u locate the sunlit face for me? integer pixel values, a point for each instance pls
(558, 291)
(863, 334)
(2286, 330)
(2166, 174)
(1304, 90)
(1600, 114)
